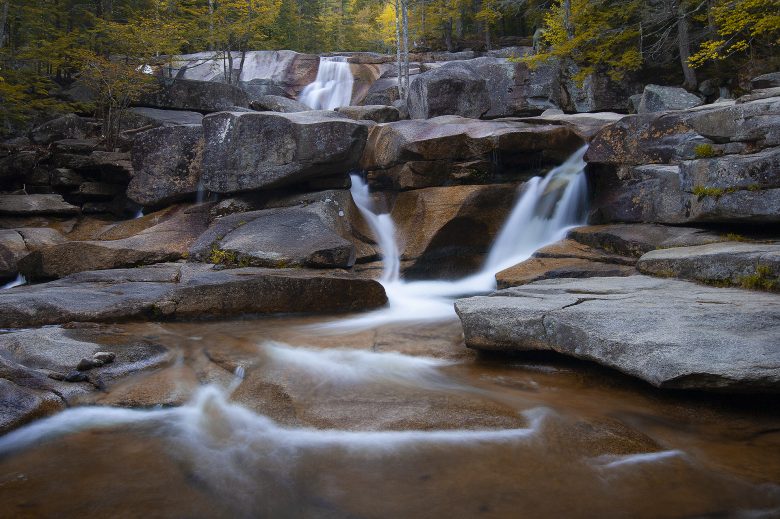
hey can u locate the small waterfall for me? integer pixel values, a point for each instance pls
(333, 86)
(383, 227)
(20, 280)
(200, 194)
(546, 209)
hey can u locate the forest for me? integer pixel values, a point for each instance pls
(46, 45)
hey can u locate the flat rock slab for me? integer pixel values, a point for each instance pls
(26, 205)
(726, 262)
(173, 290)
(636, 239)
(536, 269)
(670, 333)
(169, 240)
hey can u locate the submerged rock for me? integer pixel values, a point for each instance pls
(260, 150)
(670, 333)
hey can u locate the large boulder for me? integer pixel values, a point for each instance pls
(167, 163)
(174, 290)
(752, 265)
(448, 90)
(314, 229)
(273, 103)
(455, 150)
(657, 98)
(199, 96)
(257, 88)
(771, 80)
(383, 91)
(28, 205)
(730, 188)
(670, 333)
(715, 163)
(284, 237)
(69, 126)
(260, 150)
(12, 249)
(169, 240)
(448, 230)
(141, 116)
(376, 113)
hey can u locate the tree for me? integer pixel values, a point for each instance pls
(740, 25)
(594, 34)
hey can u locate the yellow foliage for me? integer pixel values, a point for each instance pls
(739, 24)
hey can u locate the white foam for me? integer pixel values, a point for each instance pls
(352, 366)
(545, 211)
(20, 280)
(333, 86)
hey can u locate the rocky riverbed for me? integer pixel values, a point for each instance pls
(467, 303)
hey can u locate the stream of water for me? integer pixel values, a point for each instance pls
(389, 415)
(333, 86)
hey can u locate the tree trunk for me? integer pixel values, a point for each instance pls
(567, 18)
(3, 21)
(448, 34)
(211, 24)
(684, 45)
(401, 92)
(405, 24)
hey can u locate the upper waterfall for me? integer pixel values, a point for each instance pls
(333, 86)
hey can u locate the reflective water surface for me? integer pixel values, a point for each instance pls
(263, 418)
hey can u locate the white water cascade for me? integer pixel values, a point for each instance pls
(20, 280)
(546, 209)
(333, 86)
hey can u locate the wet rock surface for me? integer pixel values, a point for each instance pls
(181, 290)
(670, 333)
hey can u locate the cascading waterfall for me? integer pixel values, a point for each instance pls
(546, 209)
(333, 86)
(20, 280)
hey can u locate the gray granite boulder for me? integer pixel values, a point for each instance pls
(198, 96)
(167, 163)
(453, 89)
(670, 333)
(275, 103)
(261, 150)
(176, 290)
(754, 265)
(657, 98)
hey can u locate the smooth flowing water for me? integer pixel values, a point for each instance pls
(333, 86)
(389, 415)
(398, 421)
(545, 210)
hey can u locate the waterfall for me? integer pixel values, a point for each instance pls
(333, 86)
(383, 227)
(20, 280)
(200, 194)
(544, 212)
